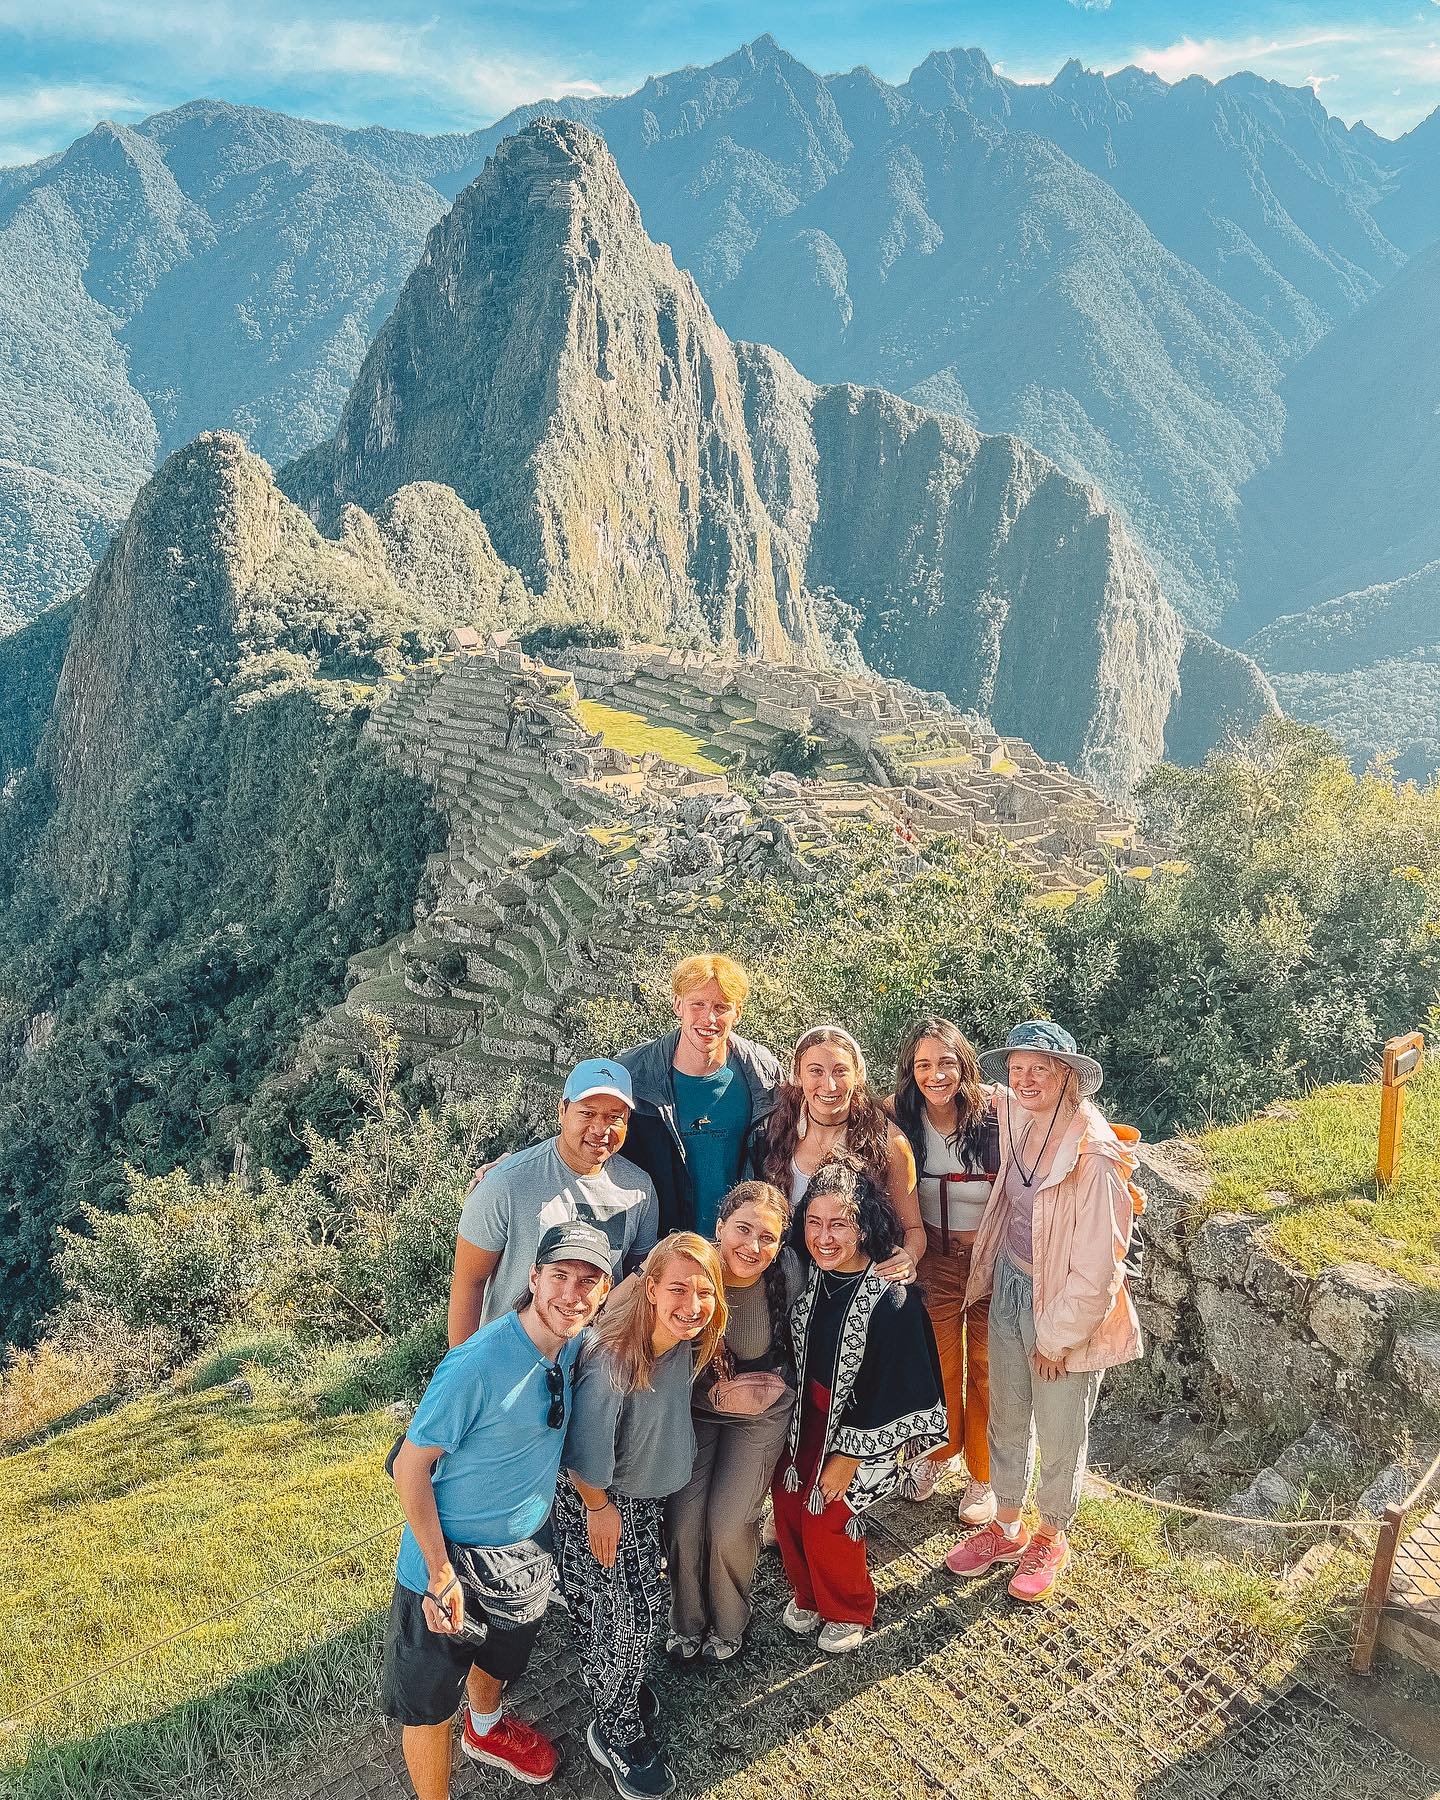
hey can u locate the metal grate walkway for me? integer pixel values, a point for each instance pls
(960, 1693)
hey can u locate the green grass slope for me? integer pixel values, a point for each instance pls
(1308, 1166)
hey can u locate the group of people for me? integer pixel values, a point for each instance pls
(723, 1281)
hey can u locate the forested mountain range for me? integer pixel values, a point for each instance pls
(1118, 270)
(550, 363)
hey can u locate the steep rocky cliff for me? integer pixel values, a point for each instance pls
(218, 583)
(199, 840)
(549, 364)
(975, 566)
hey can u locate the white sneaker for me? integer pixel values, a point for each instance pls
(977, 1504)
(681, 1649)
(799, 1619)
(922, 1477)
(840, 1640)
(718, 1649)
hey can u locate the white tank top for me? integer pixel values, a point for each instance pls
(967, 1199)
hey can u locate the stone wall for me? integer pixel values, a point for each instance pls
(1223, 1313)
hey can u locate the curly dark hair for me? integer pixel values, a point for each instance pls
(867, 1130)
(881, 1232)
(968, 1141)
(777, 1299)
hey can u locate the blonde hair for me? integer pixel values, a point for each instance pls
(724, 971)
(623, 1331)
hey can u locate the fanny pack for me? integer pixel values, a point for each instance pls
(745, 1396)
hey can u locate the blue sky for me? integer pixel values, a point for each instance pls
(433, 65)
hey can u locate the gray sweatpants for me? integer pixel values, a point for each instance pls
(712, 1525)
(1026, 1411)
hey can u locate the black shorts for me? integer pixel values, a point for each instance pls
(508, 1588)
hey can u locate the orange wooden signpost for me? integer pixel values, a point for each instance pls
(1403, 1056)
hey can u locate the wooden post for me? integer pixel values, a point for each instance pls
(1378, 1592)
(1403, 1056)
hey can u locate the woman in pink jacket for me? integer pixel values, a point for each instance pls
(1050, 1254)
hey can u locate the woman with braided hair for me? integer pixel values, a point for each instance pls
(740, 1415)
(868, 1380)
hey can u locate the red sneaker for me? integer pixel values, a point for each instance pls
(1041, 1567)
(983, 1549)
(512, 1744)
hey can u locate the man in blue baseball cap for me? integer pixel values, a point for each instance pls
(577, 1174)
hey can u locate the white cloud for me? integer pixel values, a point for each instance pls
(31, 118)
(1363, 63)
(225, 38)
(1104, 5)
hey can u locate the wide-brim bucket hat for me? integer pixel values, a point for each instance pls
(1050, 1039)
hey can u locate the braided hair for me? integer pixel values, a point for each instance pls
(777, 1291)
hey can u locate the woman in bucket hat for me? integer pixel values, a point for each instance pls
(1050, 1256)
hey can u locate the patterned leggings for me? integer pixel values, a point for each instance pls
(614, 1612)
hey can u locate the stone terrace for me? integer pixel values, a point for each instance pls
(563, 846)
(886, 750)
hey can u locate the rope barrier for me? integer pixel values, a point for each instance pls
(1204, 1512)
(223, 1612)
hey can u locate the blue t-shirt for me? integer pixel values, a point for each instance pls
(712, 1113)
(486, 1407)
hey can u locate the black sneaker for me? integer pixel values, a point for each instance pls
(639, 1770)
(649, 1705)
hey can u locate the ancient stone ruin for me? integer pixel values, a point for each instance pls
(564, 846)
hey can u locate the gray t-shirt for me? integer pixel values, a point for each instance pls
(512, 1207)
(640, 1444)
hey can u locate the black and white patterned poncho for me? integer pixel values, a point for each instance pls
(885, 1392)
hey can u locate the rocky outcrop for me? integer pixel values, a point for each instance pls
(1222, 694)
(548, 363)
(217, 579)
(1221, 1309)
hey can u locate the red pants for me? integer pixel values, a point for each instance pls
(826, 1569)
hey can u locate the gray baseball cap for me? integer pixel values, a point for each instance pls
(576, 1241)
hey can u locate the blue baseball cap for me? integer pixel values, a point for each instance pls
(597, 1076)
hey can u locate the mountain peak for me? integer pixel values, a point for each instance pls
(157, 622)
(549, 362)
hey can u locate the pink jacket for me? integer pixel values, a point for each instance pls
(1083, 1217)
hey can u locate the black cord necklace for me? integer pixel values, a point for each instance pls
(1028, 1180)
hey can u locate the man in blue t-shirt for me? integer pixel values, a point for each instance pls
(702, 1094)
(476, 1475)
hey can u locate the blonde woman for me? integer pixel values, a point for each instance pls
(629, 1445)
(1049, 1259)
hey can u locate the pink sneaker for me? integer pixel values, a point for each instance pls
(979, 1553)
(1040, 1569)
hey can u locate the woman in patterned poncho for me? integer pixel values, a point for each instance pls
(869, 1386)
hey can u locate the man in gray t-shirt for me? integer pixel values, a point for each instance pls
(575, 1175)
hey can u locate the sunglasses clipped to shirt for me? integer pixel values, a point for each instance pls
(555, 1388)
(554, 1418)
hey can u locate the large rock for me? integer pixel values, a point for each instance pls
(1353, 1312)
(1416, 1367)
(1262, 1365)
(1221, 1249)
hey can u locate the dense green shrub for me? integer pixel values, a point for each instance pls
(240, 863)
(371, 1220)
(182, 1258)
(1302, 930)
